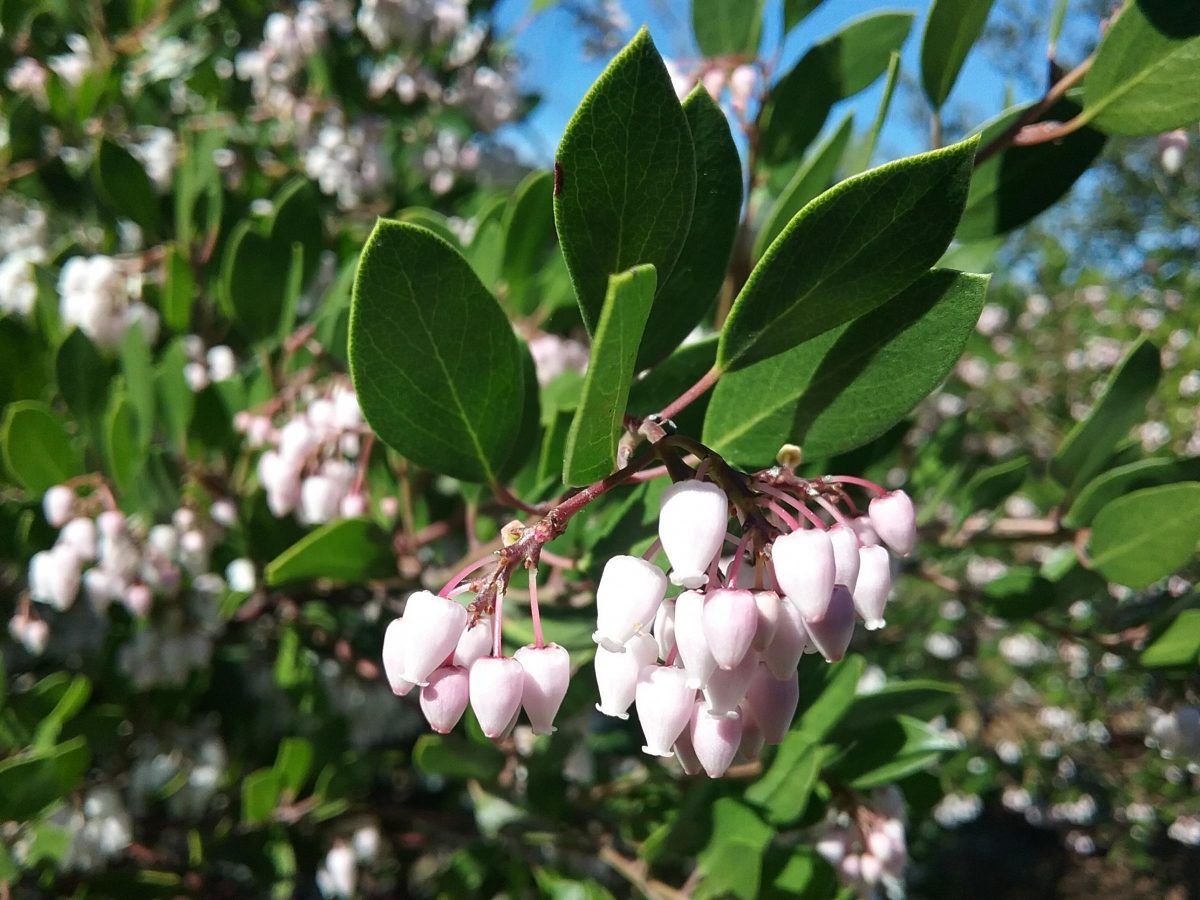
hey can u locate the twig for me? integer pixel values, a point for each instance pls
(1055, 93)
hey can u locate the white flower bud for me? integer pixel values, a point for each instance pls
(804, 568)
(496, 686)
(627, 598)
(772, 703)
(80, 535)
(432, 628)
(56, 505)
(320, 499)
(768, 604)
(393, 659)
(831, 633)
(224, 512)
(874, 585)
(475, 643)
(103, 587)
(664, 706)
(617, 674)
(730, 623)
(444, 699)
(138, 599)
(240, 576)
(1172, 150)
(664, 628)
(692, 519)
(296, 440)
(111, 523)
(727, 687)
(54, 576)
(193, 552)
(354, 506)
(791, 638)
(222, 364)
(895, 520)
(196, 376)
(685, 753)
(845, 555)
(547, 676)
(715, 741)
(698, 660)
(867, 537)
(339, 876)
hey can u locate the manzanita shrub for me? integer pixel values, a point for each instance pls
(314, 399)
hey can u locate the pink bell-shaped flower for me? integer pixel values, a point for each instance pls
(444, 699)
(714, 740)
(617, 674)
(727, 687)
(432, 627)
(752, 737)
(57, 505)
(768, 604)
(627, 598)
(393, 659)
(867, 536)
(692, 519)
(664, 628)
(772, 702)
(845, 555)
(895, 520)
(698, 660)
(664, 706)
(685, 753)
(791, 637)
(547, 674)
(804, 569)
(832, 632)
(475, 643)
(874, 585)
(730, 623)
(497, 683)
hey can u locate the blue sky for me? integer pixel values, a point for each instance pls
(554, 65)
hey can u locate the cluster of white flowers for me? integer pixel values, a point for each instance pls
(100, 830)
(1176, 733)
(411, 22)
(28, 77)
(118, 560)
(444, 158)
(96, 295)
(869, 848)
(347, 160)
(74, 66)
(488, 94)
(309, 462)
(957, 809)
(192, 761)
(158, 151)
(22, 246)
(205, 367)
(338, 875)
(1186, 830)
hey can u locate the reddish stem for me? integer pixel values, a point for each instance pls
(788, 520)
(652, 550)
(871, 486)
(832, 510)
(533, 609)
(697, 390)
(463, 573)
(738, 553)
(498, 624)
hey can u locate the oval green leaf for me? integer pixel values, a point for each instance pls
(37, 450)
(435, 362)
(727, 27)
(349, 550)
(848, 252)
(951, 30)
(1144, 536)
(1110, 485)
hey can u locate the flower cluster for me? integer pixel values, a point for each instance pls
(97, 295)
(347, 160)
(204, 367)
(22, 246)
(312, 463)
(869, 847)
(716, 673)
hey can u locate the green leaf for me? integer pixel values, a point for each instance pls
(25, 366)
(68, 706)
(1019, 183)
(626, 173)
(699, 272)
(783, 790)
(175, 398)
(178, 291)
(138, 367)
(732, 860)
(1144, 536)
(453, 756)
(837, 68)
(125, 186)
(349, 550)
(1146, 75)
(1179, 645)
(260, 795)
(951, 30)
(32, 781)
(848, 252)
(83, 378)
(599, 420)
(253, 284)
(811, 178)
(889, 752)
(293, 762)
(885, 104)
(37, 450)
(1122, 405)
(850, 385)
(528, 231)
(805, 876)
(1110, 485)
(727, 27)
(437, 367)
(121, 449)
(922, 698)
(993, 484)
(826, 692)
(795, 11)
(672, 377)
